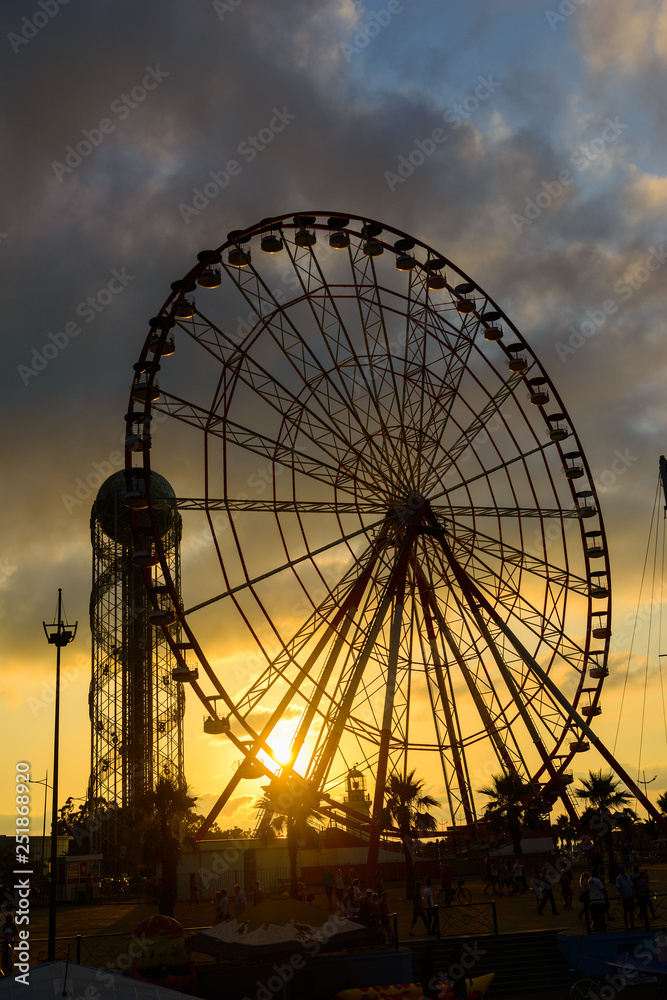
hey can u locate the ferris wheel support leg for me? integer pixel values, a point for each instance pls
(336, 731)
(342, 622)
(383, 757)
(426, 599)
(572, 713)
(501, 750)
(471, 593)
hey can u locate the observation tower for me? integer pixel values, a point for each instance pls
(136, 707)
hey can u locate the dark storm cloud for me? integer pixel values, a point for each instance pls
(167, 95)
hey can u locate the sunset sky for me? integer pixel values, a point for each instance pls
(542, 134)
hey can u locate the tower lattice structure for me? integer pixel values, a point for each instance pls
(136, 708)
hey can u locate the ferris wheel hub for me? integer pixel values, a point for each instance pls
(412, 509)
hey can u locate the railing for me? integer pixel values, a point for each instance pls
(656, 913)
(464, 919)
(116, 952)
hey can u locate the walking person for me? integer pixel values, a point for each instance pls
(536, 886)
(547, 894)
(328, 880)
(339, 886)
(626, 894)
(194, 899)
(584, 897)
(383, 913)
(417, 908)
(503, 878)
(240, 901)
(597, 902)
(257, 894)
(428, 908)
(565, 882)
(221, 907)
(446, 876)
(519, 877)
(351, 905)
(491, 876)
(643, 898)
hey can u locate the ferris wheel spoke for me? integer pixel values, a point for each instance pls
(500, 467)
(322, 431)
(348, 694)
(256, 442)
(546, 625)
(308, 367)
(254, 506)
(382, 402)
(475, 542)
(444, 513)
(289, 565)
(334, 334)
(478, 424)
(480, 686)
(337, 611)
(517, 689)
(443, 704)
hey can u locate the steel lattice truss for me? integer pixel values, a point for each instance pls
(136, 707)
(397, 534)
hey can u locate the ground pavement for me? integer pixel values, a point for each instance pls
(105, 927)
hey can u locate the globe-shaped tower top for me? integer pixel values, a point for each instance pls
(114, 515)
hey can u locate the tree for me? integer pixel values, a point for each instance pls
(291, 808)
(405, 808)
(512, 807)
(192, 824)
(662, 803)
(165, 810)
(563, 830)
(602, 794)
(84, 822)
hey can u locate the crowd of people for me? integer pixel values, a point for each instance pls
(632, 889)
(369, 905)
(226, 908)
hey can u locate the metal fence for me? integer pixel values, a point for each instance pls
(460, 919)
(655, 915)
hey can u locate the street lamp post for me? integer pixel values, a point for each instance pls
(58, 634)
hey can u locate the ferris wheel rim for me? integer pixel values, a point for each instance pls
(166, 317)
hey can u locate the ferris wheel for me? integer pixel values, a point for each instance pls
(393, 558)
